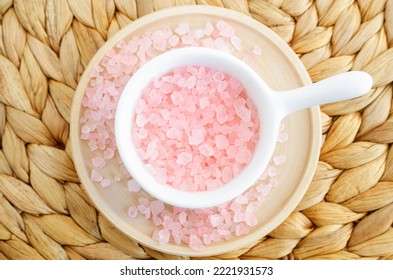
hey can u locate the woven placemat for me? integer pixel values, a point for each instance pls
(45, 45)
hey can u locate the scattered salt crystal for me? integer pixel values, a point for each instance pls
(206, 150)
(98, 162)
(195, 243)
(173, 133)
(182, 28)
(243, 113)
(250, 219)
(241, 199)
(105, 183)
(216, 220)
(132, 211)
(196, 137)
(184, 158)
(221, 141)
(241, 229)
(237, 43)
(187, 39)
(279, 159)
(133, 186)
(204, 102)
(96, 176)
(244, 155)
(209, 28)
(163, 236)
(282, 137)
(156, 207)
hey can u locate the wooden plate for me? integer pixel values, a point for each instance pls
(278, 66)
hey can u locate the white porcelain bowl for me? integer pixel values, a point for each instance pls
(272, 108)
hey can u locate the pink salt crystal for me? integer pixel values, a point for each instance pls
(105, 183)
(218, 76)
(132, 211)
(206, 239)
(161, 175)
(238, 216)
(196, 137)
(226, 174)
(187, 39)
(206, 150)
(213, 184)
(96, 176)
(227, 31)
(98, 162)
(163, 236)
(133, 186)
(177, 97)
(173, 133)
(182, 28)
(232, 151)
(204, 102)
(191, 81)
(282, 137)
(243, 113)
(241, 199)
(221, 114)
(216, 220)
(250, 219)
(278, 160)
(156, 207)
(159, 41)
(109, 153)
(209, 28)
(237, 43)
(241, 229)
(244, 155)
(221, 142)
(244, 133)
(196, 243)
(157, 221)
(182, 218)
(184, 158)
(141, 120)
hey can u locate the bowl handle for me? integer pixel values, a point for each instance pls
(336, 88)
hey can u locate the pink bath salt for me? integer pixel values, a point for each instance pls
(221, 142)
(196, 137)
(184, 158)
(196, 243)
(162, 236)
(244, 155)
(216, 220)
(242, 229)
(105, 183)
(96, 176)
(156, 207)
(243, 113)
(133, 186)
(250, 219)
(278, 160)
(174, 133)
(133, 211)
(98, 162)
(183, 28)
(282, 137)
(237, 43)
(206, 150)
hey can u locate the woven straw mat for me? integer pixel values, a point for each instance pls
(45, 46)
